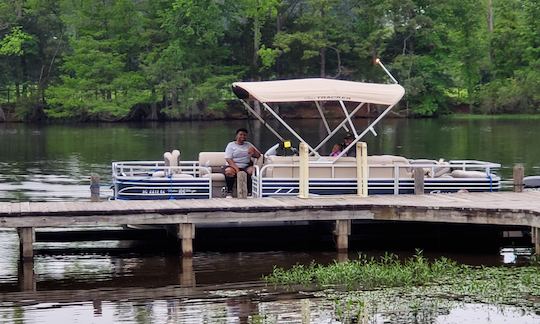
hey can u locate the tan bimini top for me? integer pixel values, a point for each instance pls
(318, 89)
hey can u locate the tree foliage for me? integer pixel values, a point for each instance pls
(104, 60)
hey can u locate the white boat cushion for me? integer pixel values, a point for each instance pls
(468, 174)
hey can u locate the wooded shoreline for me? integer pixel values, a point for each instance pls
(118, 60)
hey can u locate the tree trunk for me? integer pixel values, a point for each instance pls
(256, 43)
(322, 54)
(153, 107)
(490, 28)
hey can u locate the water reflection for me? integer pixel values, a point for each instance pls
(36, 159)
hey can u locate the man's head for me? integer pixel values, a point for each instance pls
(241, 135)
(348, 138)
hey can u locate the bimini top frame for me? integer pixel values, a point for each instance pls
(320, 90)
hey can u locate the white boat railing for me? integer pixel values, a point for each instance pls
(401, 175)
(156, 169)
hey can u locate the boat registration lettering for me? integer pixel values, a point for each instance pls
(167, 191)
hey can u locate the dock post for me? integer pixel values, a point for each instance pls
(303, 186)
(342, 232)
(241, 185)
(361, 169)
(94, 188)
(519, 173)
(27, 236)
(418, 181)
(186, 233)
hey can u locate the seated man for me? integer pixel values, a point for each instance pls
(347, 140)
(238, 155)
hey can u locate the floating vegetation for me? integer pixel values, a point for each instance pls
(369, 273)
(416, 288)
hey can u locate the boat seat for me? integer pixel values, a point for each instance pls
(440, 168)
(215, 162)
(381, 166)
(172, 160)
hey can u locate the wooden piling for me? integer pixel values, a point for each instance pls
(303, 190)
(342, 232)
(27, 237)
(94, 188)
(241, 185)
(519, 173)
(418, 181)
(186, 233)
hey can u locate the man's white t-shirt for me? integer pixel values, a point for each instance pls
(239, 153)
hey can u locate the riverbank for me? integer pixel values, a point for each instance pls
(233, 111)
(461, 116)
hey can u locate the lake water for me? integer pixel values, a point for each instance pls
(122, 281)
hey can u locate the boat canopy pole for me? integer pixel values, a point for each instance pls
(346, 113)
(378, 61)
(365, 131)
(323, 117)
(338, 127)
(254, 113)
(290, 129)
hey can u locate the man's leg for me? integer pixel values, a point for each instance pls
(249, 171)
(230, 175)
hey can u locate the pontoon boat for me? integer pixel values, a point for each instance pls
(279, 175)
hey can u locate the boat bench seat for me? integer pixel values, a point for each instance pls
(215, 162)
(381, 166)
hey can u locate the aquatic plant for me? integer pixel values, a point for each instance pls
(369, 273)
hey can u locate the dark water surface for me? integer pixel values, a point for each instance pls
(122, 281)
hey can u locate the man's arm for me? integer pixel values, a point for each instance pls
(254, 152)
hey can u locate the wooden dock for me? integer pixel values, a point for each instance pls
(502, 208)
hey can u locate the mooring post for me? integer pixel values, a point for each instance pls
(519, 173)
(418, 181)
(241, 185)
(342, 232)
(186, 233)
(27, 236)
(303, 189)
(94, 188)
(362, 169)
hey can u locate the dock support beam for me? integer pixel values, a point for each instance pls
(186, 233)
(342, 232)
(27, 236)
(518, 175)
